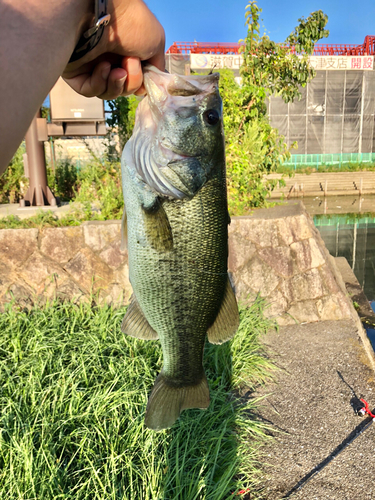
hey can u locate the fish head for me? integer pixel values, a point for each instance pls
(182, 118)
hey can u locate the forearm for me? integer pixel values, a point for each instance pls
(37, 38)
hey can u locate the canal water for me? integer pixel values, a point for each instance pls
(352, 235)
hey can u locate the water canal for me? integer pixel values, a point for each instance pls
(349, 231)
(352, 236)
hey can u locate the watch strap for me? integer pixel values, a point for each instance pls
(92, 36)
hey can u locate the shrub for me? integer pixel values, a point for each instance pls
(13, 183)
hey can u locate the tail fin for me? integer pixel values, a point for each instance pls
(166, 402)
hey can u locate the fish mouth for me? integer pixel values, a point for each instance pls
(172, 153)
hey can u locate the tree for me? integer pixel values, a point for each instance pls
(121, 120)
(254, 148)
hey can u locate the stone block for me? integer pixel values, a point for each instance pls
(113, 256)
(240, 252)
(21, 294)
(70, 291)
(279, 258)
(329, 308)
(16, 245)
(303, 286)
(331, 262)
(346, 305)
(39, 272)
(276, 304)
(285, 320)
(121, 278)
(115, 295)
(304, 312)
(61, 243)
(87, 269)
(307, 254)
(261, 232)
(6, 281)
(6, 272)
(293, 229)
(99, 235)
(256, 277)
(328, 279)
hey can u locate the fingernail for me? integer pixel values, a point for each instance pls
(120, 82)
(106, 71)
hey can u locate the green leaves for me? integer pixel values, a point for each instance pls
(122, 117)
(253, 146)
(308, 32)
(13, 183)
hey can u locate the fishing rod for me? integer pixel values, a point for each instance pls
(362, 411)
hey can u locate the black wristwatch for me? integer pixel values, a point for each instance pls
(92, 36)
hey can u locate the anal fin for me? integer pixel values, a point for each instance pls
(135, 324)
(167, 401)
(227, 320)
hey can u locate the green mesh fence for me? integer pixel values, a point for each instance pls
(317, 160)
(344, 220)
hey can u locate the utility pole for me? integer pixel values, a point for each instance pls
(38, 194)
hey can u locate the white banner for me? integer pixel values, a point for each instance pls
(342, 62)
(216, 61)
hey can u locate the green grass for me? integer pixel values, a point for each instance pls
(40, 220)
(47, 218)
(73, 395)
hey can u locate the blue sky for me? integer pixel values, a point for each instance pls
(223, 20)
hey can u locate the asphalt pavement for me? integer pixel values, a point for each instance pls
(311, 407)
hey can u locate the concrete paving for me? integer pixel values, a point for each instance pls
(323, 371)
(24, 213)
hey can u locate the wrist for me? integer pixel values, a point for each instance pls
(85, 17)
(90, 37)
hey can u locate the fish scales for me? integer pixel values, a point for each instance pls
(178, 259)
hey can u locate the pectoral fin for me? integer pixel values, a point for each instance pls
(227, 320)
(135, 324)
(157, 228)
(124, 232)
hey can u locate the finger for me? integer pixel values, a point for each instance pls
(134, 81)
(141, 91)
(93, 84)
(115, 84)
(158, 60)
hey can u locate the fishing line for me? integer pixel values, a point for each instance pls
(360, 429)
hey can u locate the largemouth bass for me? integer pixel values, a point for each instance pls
(176, 219)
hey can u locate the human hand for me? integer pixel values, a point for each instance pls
(113, 67)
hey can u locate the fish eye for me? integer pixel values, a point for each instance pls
(211, 116)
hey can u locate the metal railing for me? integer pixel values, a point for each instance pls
(322, 49)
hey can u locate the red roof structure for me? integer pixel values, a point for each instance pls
(324, 49)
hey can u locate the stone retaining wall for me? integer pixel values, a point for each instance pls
(72, 263)
(277, 253)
